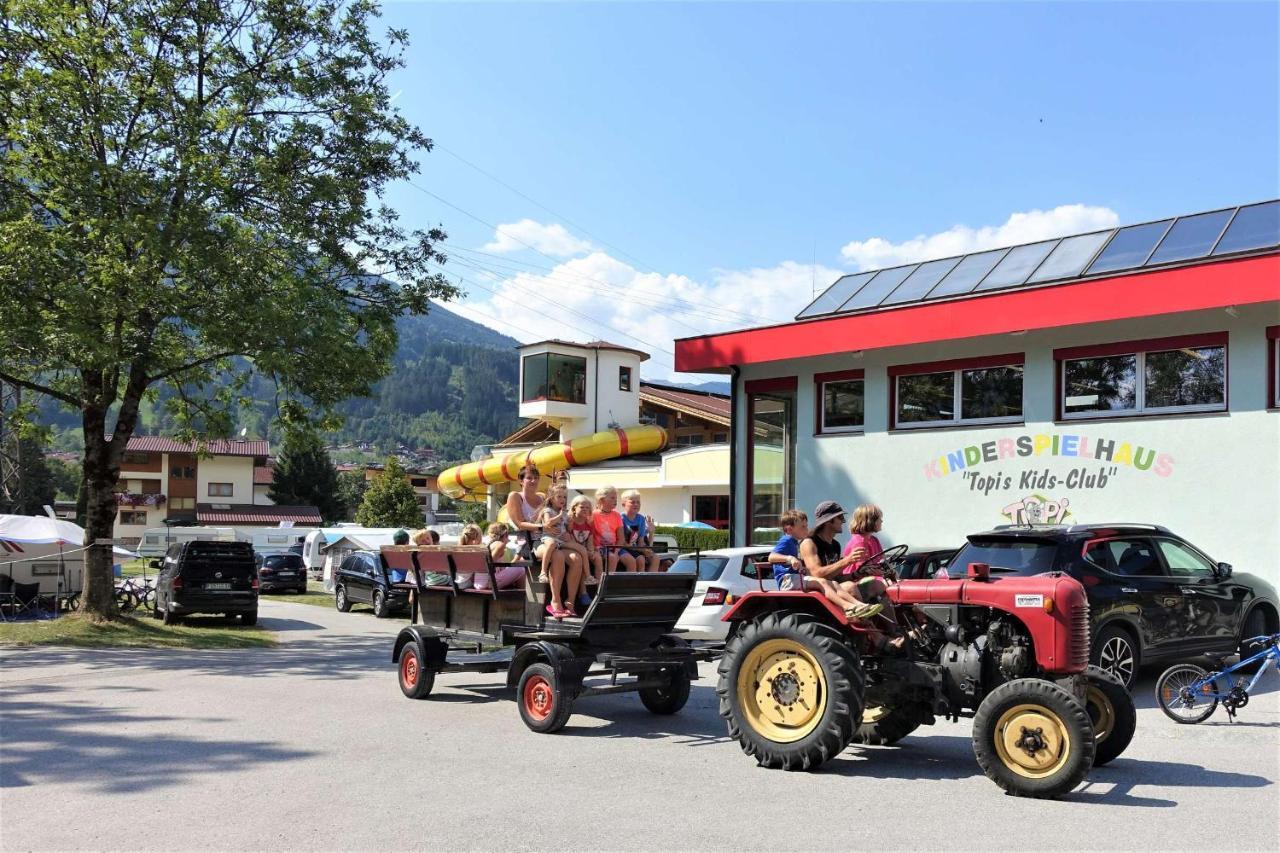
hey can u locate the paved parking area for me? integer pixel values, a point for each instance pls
(311, 746)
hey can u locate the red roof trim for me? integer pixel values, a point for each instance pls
(778, 383)
(958, 364)
(1219, 284)
(839, 375)
(1206, 339)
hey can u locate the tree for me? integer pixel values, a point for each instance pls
(37, 486)
(304, 474)
(351, 488)
(192, 189)
(390, 500)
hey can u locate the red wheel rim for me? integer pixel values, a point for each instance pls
(538, 697)
(409, 670)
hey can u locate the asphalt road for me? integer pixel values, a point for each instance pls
(311, 746)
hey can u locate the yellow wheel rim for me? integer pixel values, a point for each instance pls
(782, 690)
(1032, 741)
(1101, 713)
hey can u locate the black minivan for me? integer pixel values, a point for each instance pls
(283, 571)
(207, 577)
(362, 580)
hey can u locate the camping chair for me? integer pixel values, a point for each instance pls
(26, 597)
(8, 598)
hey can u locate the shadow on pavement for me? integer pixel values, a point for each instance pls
(54, 740)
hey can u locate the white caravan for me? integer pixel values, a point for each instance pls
(156, 540)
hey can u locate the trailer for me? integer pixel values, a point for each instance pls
(156, 540)
(624, 642)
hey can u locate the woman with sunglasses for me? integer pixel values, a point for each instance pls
(523, 508)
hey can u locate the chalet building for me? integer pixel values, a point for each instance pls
(423, 482)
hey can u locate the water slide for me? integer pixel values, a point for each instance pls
(469, 482)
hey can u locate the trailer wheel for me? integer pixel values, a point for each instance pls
(544, 705)
(415, 681)
(1033, 739)
(668, 699)
(1110, 708)
(791, 690)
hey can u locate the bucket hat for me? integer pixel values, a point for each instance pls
(826, 511)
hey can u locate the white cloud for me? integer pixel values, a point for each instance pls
(1027, 227)
(551, 239)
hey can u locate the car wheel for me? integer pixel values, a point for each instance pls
(167, 616)
(1116, 652)
(249, 617)
(1255, 625)
(379, 604)
(340, 600)
(1033, 739)
(302, 590)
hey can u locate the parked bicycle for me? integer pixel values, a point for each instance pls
(1189, 694)
(132, 594)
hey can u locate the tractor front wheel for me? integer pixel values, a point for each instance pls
(791, 690)
(1033, 739)
(1111, 710)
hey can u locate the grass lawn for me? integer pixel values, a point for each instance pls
(315, 595)
(144, 632)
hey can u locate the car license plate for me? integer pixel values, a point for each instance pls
(217, 586)
(286, 574)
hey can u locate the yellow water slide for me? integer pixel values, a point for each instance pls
(470, 481)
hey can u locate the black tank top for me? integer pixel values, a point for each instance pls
(828, 552)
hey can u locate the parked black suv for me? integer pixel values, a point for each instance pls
(283, 571)
(362, 580)
(1152, 595)
(207, 577)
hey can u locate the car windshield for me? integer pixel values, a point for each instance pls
(283, 561)
(706, 568)
(1019, 556)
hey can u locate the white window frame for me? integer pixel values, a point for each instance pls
(1140, 397)
(957, 385)
(823, 429)
(231, 490)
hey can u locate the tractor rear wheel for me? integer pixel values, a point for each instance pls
(791, 690)
(886, 724)
(1033, 739)
(1110, 708)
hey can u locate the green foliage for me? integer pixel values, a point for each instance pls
(37, 485)
(351, 488)
(189, 196)
(66, 477)
(694, 538)
(469, 512)
(303, 474)
(390, 500)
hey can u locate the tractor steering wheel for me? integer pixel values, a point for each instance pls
(886, 563)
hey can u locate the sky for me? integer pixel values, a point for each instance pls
(644, 172)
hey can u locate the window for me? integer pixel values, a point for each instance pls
(1130, 557)
(712, 509)
(964, 391)
(133, 518)
(133, 457)
(150, 487)
(840, 401)
(1005, 556)
(1165, 375)
(182, 503)
(771, 450)
(624, 378)
(1183, 560)
(418, 482)
(182, 472)
(706, 568)
(220, 490)
(689, 439)
(554, 377)
(720, 437)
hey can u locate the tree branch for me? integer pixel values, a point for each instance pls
(39, 389)
(192, 365)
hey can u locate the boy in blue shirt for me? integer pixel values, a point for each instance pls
(785, 557)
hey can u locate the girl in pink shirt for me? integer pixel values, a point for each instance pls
(866, 522)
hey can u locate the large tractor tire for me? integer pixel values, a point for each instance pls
(1110, 709)
(791, 690)
(887, 724)
(1033, 739)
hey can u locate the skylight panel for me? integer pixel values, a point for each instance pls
(921, 281)
(968, 273)
(1191, 237)
(1017, 265)
(1130, 247)
(878, 288)
(831, 298)
(1070, 257)
(1255, 227)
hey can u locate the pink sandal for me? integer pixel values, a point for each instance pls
(554, 612)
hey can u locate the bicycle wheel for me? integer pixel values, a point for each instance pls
(1179, 696)
(125, 602)
(146, 596)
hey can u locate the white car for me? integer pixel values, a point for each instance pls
(724, 576)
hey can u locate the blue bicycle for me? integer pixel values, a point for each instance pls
(1189, 694)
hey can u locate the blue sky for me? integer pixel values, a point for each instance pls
(700, 157)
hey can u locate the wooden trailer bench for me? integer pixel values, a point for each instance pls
(451, 606)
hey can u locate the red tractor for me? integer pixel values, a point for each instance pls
(799, 683)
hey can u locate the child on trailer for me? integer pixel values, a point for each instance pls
(608, 526)
(501, 552)
(581, 531)
(637, 532)
(555, 543)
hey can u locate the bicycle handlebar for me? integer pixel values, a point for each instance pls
(1274, 639)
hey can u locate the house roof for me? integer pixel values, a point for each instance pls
(250, 514)
(216, 447)
(644, 356)
(262, 475)
(1202, 261)
(702, 404)
(535, 431)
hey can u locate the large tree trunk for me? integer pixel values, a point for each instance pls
(101, 470)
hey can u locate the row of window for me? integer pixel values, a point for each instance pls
(1164, 376)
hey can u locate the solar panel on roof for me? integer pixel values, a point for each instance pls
(1017, 265)
(921, 281)
(1191, 237)
(1255, 227)
(1070, 257)
(1130, 247)
(968, 273)
(878, 288)
(835, 295)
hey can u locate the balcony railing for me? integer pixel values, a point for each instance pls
(135, 499)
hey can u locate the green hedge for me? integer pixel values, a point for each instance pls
(695, 539)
